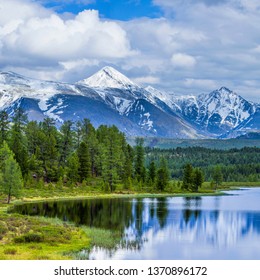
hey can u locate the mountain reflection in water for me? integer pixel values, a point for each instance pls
(208, 227)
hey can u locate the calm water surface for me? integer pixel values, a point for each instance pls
(208, 227)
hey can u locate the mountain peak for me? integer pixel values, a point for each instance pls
(108, 77)
(224, 90)
(9, 77)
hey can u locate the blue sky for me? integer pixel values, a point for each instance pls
(180, 46)
(117, 10)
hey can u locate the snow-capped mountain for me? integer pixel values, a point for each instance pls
(114, 88)
(100, 103)
(109, 77)
(108, 97)
(219, 112)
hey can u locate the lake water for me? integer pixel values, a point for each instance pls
(207, 227)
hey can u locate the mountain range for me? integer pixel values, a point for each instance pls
(108, 97)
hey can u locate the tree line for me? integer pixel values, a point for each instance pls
(233, 165)
(33, 154)
(76, 153)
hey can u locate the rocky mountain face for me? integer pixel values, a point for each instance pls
(218, 112)
(108, 97)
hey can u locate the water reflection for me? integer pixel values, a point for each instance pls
(226, 227)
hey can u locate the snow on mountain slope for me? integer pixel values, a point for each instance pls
(216, 112)
(114, 88)
(232, 108)
(250, 125)
(154, 95)
(109, 97)
(158, 122)
(108, 77)
(14, 87)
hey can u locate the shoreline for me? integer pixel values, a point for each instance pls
(100, 195)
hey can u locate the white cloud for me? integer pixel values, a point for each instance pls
(200, 83)
(198, 45)
(147, 80)
(37, 37)
(80, 63)
(17, 10)
(182, 60)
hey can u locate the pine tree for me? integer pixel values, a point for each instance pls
(10, 173)
(34, 140)
(4, 126)
(140, 171)
(187, 177)
(73, 168)
(152, 172)
(78, 134)
(162, 179)
(128, 165)
(197, 179)
(90, 137)
(18, 143)
(84, 161)
(112, 155)
(217, 176)
(48, 150)
(65, 143)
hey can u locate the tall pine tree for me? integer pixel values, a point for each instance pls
(187, 177)
(162, 179)
(18, 143)
(10, 173)
(4, 126)
(84, 161)
(140, 171)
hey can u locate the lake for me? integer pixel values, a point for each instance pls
(206, 227)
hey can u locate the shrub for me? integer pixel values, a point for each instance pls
(10, 251)
(29, 237)
(3, 229)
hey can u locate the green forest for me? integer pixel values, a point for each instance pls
(35, 154)
(235, 165)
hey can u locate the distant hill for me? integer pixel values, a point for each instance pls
(220, 144)
(250, 135)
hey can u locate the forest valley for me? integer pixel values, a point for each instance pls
(38, 154)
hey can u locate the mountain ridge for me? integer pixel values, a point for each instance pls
(143, 111)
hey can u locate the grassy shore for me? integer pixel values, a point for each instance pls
(25, 237)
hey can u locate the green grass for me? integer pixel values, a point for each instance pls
(241, 184)
(102, 237)
(52, 192)
(34, 238)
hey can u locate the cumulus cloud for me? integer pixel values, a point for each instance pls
(35, 36)
(182, 60)
(19, 11)
(54, 38)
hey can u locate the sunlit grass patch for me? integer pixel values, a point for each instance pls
(33, 238)
(102, 237)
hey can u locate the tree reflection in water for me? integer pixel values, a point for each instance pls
(165, 228)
